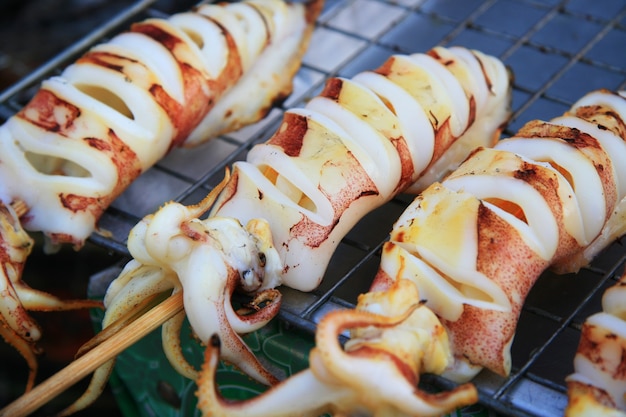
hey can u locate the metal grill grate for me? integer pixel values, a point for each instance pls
(558, 50)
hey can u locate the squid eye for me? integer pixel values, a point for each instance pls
(247, 275)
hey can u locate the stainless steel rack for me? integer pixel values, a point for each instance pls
(558, 51)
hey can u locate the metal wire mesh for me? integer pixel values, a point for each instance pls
(558, 51)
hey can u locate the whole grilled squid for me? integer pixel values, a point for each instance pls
(475, 243)
(112, 114)
(280, 216)
(598, 384)
(472, 245)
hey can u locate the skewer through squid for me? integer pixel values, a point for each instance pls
(111, 115)
(282, 213)
(472, 246)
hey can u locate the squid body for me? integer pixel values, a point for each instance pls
(472, 245)
(89, 132)
(278, 219)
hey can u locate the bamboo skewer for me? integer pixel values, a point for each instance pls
(87, 363)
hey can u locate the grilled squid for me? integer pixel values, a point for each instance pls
(472, 245)
(475, 243)
(282, 213)
(598, 384)
(111, 115)
(89, 132)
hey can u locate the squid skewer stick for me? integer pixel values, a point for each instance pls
(348, 151)
(85, 364)
(472, 245)
(598, 384)
(111, 115)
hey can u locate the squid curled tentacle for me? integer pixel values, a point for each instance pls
(17, 327)
(349, 150)
(476, 242)
(598, 384)
(368, 379)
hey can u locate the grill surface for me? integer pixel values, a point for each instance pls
(558, 51)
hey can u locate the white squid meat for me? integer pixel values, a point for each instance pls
(472, 245)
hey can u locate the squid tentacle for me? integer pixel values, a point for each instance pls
(16, 245)
(17, 327)
(368, 379)
(146, 283)
(172, 345)
(27, 350)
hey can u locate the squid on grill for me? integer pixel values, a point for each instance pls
(278, 219)
(89, 132)
(598, 384)
(472, 245)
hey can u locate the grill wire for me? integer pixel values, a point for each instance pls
(557, 50)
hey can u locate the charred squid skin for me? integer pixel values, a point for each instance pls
(118, 109)
(492, 226)
(360, 142)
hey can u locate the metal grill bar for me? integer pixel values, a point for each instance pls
(558, 50)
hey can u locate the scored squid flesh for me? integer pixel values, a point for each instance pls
(598, 384)
(89, 132)
(473, 244)
(355, 146)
